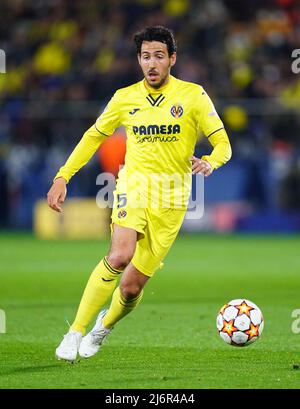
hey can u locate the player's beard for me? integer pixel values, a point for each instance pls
(160, 83)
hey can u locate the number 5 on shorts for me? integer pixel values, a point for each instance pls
(122, 200)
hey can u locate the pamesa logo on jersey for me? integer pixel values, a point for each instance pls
(177, 110)
(156, 133)
(168, 129)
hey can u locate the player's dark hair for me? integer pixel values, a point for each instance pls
(156, 33)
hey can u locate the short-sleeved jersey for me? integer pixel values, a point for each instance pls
(162, 129)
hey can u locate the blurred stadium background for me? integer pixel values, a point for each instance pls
(65, 59)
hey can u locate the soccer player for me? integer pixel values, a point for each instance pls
(163, 117)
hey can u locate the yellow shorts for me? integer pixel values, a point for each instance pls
(157, 230)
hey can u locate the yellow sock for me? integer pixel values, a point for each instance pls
(119, 307)
(99, 288)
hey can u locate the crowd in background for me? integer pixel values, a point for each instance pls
(65, 59)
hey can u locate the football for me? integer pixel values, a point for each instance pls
(240, 322)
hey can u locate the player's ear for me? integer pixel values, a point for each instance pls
(173, 58)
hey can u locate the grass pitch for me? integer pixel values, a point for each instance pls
(170, 341)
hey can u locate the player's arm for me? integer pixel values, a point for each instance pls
(90, 142)
(219, 156)
(221, 153)
(213, 128)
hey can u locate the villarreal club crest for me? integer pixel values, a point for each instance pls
(177, 110)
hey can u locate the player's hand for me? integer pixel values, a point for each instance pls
(57, 194)
(201, 166)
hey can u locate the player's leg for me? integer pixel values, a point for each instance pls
(127, 296)
(122, 246)
(104, 278)
(161, 230)
(125, 299)
(99, 288)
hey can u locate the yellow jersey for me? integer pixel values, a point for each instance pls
(162, 128)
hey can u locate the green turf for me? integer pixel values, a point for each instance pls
(170, 341)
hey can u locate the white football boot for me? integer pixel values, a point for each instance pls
(68, 348)
(92, 342)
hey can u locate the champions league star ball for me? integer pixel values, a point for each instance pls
(240, 322)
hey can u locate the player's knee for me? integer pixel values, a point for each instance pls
(119, 260)
(130, 291)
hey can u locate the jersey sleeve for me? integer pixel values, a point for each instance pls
(109, 120)
(221, 153)
(206, 114)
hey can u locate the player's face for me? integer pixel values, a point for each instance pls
(156, 63)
